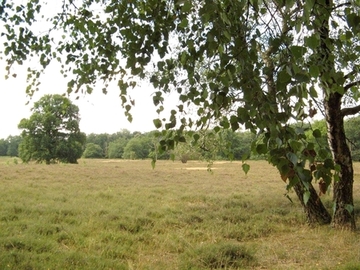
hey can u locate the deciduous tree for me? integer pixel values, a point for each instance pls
(258, 64)
(3, 147)
(116, 148)
(52, 132)
(13, 143)
(93, 150)
(139, 147)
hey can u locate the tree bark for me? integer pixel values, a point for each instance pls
(343, 216)
(315, 211)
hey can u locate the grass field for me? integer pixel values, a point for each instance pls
(115, 214)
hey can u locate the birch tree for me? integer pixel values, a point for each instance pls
(257, 64)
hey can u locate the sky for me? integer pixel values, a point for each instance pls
(99, 113)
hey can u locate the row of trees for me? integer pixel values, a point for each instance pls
(214, 146)
(136, 145)
(10, 146)
(211, 145)
(52, 134)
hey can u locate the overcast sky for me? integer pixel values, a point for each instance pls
(99, 113)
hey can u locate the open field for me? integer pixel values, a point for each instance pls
(115, 214)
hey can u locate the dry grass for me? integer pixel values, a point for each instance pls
(115, 214)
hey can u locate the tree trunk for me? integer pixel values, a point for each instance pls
(343, 216)
(343, 189)
(315, 211)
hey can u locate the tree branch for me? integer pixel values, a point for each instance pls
(348, 86)
(347, 76)
(350, 111)
(342, 5)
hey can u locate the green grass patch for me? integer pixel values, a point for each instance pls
(218, 256)
(116, 214)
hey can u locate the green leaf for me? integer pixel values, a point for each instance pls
(313, 92)
(353, 21)
(297, 51)
(302, 77)
(329, 163)
(244, 157)
(323, 153)
(306, 197)
(295, 145)
(196, 137)
(313, 42)
(337, 168)
(288, 197)
(246, 168)
(314, 71)
(186, 7)
(157, 123)
(182, 139)
(113, 30)
(284, 76)
(292, 157)
(261, 149)
(317, 133)
(184, 23)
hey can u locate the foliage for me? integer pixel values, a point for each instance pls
(317, 134)
(257, 64)
(211, 145)
(186, 151)
(52, 132)
(352, 127)
(3, 147)
(10, 145)
(104, 140)
(117, 147)
(13, 143)
(99, 139)
(238, 144)
(139, 147)
(93, 150)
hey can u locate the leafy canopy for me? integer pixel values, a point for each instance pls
(52, 132)
(253, 64)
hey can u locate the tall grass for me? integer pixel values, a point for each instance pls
(114, 214)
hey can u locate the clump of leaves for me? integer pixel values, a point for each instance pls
(220, 255)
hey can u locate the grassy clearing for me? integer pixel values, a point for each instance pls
(114, 214)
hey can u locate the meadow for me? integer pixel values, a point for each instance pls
(117, 214)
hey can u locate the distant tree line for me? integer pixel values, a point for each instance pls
(223, 145)
(10, 146)
(136, 145)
